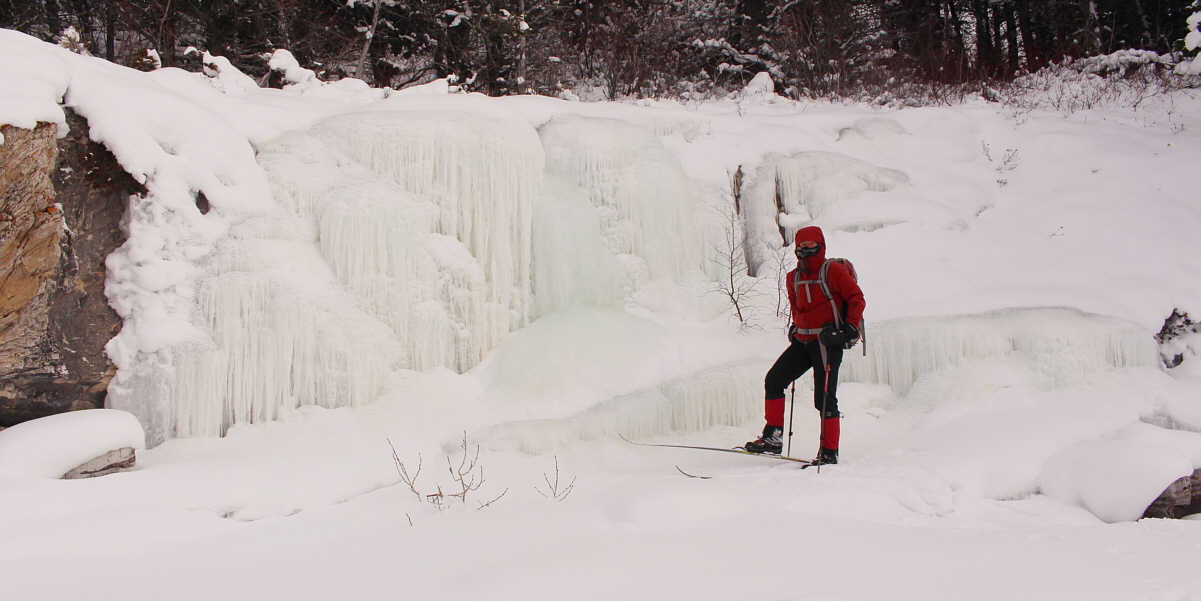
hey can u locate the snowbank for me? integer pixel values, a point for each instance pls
(1118, 477)
(51, 446)
(32, 87)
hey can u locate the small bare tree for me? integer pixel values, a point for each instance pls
(466, 476)
(780, 266)
(729, 254)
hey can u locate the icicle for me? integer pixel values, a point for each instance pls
(275, 349)
(1063, 345)
(403, 240)
(808, 184)
(647, 206)
(483, 174)
(725, 396)
(428, 219)
(571, 263)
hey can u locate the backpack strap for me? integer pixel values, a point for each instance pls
(822, 283)
(825, 286)
(797, 282)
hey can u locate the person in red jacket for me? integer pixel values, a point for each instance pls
(817, 338)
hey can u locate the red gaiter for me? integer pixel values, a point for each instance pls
(773, 412)
(830, 433)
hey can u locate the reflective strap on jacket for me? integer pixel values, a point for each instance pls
(821, 283)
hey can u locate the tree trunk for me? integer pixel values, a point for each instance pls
(358, 71)
(1088, 32)
(110, 32)
(985, 55)
(1034, 57)
(958, 44)
(522, 29)
(53, 20)
(1011, 40)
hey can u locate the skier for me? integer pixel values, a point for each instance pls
(816, 341)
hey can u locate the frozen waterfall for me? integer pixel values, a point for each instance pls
(650, 214)
(834, 191)
(416, 240)
(422, 240)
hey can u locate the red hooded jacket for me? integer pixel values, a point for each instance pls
(811, 309)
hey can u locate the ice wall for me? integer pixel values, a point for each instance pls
(483, 175)
(573, 265)
(400, 240)
(650, 214)
(724, 396)
(834, 191)
(789, 192)
(275, 347)
(419, 240)
(1064, 347)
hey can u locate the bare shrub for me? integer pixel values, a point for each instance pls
(467, 477)
(1123, 79)
(553, 488)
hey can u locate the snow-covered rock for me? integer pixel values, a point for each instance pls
(760, 85)
(1118, 477)
(283, 61)
(49, 447)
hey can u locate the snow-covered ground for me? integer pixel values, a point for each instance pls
(1008, 418)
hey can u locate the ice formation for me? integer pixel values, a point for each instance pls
(416, 240)
(724, 396)
(788, 192)
(650, 213)
(403, 241)
(1117, 477)
(480, 179)
(1063, 346)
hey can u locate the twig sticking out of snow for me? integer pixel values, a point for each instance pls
(552, 488)
(404, 473)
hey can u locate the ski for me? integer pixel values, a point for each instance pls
(738, 450)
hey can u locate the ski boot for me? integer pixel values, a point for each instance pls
(770, 442)
(826, 457)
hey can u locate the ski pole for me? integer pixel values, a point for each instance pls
(791, 406)
(825, 397)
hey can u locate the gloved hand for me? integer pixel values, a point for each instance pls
(791, 332)
(850, 334)
(831, 336)
(846, 336)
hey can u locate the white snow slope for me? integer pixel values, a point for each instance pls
(533, 277)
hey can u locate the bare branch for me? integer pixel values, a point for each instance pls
(404, 473)
(483, 505)
(552, 488)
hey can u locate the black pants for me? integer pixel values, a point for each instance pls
(797, 359)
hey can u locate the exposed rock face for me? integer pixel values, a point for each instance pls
(1182, 498)
(61, 204)
(108, 463)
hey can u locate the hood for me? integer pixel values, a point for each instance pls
(813, 233)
